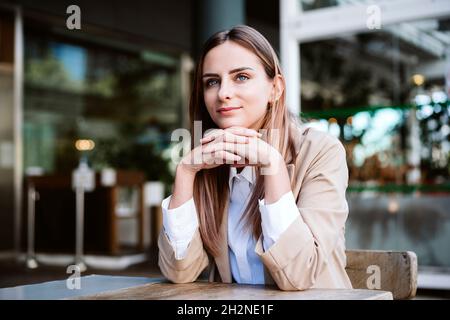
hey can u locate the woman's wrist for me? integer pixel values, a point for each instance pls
(276, 180)
(183, 187)
(183, 170)
(274, 162)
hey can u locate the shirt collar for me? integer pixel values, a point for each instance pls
(248, 173)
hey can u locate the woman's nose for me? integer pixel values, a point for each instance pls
(225, 91)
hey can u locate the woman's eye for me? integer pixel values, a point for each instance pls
(211, 82)
(242, 77)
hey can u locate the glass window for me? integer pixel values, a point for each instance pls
(7, 144)
(384, 94)
(115, 107)
(308, 5)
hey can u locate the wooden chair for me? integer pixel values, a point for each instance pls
(392, 271)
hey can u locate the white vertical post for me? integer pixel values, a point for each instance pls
(447, 72)
(18, 122)
(83, 180)
(414, 174)
(186, 67)
(79, 229)
(290, 54)
(31, 254)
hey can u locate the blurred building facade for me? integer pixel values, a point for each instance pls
(376, 74)
(111, 92)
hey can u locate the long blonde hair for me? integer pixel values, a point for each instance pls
(211, 189)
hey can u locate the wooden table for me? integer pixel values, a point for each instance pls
(221, 291)
(98, 287)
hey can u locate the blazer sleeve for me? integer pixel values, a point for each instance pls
(194, 257)
(302, 252)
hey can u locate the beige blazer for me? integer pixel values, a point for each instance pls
(311, 252)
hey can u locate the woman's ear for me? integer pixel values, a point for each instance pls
(278, 87)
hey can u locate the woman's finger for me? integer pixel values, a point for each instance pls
(225, 136)
(242, 150)
(212, 134)
(220, 157)
(207, 139)
(242, 131)
(230, 137)
(228, 146)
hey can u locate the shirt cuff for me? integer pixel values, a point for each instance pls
(277, 217)
(180, 225)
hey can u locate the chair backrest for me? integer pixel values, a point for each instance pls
(392, 271)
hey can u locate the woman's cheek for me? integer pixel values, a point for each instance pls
(209, 102)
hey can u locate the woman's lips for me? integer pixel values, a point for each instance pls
(228, 110)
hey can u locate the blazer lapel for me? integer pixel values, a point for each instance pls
(291, 169)
(222, 260)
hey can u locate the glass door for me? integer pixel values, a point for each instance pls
(6, 130)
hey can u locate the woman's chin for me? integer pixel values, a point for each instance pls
(229, 124)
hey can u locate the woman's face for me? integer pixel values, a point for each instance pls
(236, 88)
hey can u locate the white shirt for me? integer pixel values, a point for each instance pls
(181, 223)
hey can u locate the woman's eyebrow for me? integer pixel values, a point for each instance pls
(230, 72)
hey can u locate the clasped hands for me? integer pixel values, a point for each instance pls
(237, 146)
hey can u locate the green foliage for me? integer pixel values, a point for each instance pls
(129, 155)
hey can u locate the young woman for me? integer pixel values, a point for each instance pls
(250, 207)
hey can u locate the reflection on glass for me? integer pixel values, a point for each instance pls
(383, 96)
(378, 142)
(125, 103)
(307, 5)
